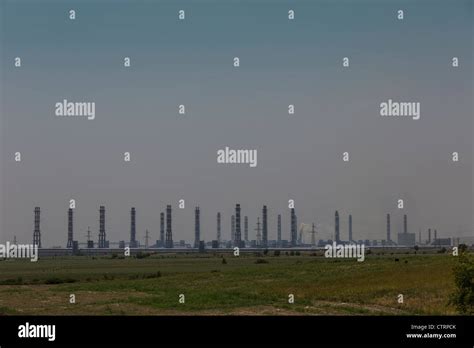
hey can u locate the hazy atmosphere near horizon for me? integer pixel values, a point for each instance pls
(190, 62)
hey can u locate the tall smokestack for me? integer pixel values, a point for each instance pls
(102, 235)
(296, 228)
(36, 232)
(169, 232)
(388, 229)
(405, 229)
(162, 229)
(246, 228)
(259, 236)
(336, 227)
(264, 227)
(435, 235)
(232, 228)
(350, 227)
(429, 235)
(294, 235)
(197, 228)
(218, 228)
(133, 233)
(69, 228)
(238, 234)
(279, 230)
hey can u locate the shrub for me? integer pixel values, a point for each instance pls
(261, 261)
(152, 275)
(463, 296)
(107, 277)
(276, 253)
(17, 281)
(56, 280)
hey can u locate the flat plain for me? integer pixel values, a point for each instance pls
(221, 284)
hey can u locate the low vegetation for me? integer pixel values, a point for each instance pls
(221, 284)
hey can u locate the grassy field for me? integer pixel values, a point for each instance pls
(239, 286)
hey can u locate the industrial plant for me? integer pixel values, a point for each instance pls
(296, 235)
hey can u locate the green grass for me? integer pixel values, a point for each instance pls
(243, 285)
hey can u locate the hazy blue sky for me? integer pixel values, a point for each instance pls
(190, 62)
